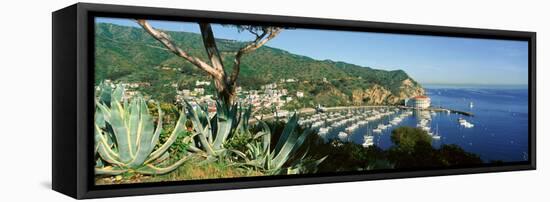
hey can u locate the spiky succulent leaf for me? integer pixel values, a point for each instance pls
(143, 136)
(118, 93)
(104, 110)
(104, 150)
(121, 131)
(305, 166)
(301, 140)
(266, 137)
(283, 155)
(180, 125)
(99, 118)
(201, 126)
(195, 118)
(158, 129)
(104, 94)
(110, 171)
(287, 132)
(135, 134)
(224, 123)
(134, 123)
(289, 140)
(151, 169)
(245, 118)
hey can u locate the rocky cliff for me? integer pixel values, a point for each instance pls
(378, 95)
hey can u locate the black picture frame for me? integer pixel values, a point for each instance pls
(72, 106)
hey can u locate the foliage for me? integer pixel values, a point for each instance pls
(406, 138)
(126, 136)
(210, 133)
(238, 143)
(180, 147)
(261, 153)
(421, 155)
(453, 155)
(413, 150)
(199, 169)
(347, 156)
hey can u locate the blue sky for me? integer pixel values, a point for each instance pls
(428, 59)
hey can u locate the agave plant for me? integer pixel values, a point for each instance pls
(211, 133)
(126, 136)
(244, 120)
(303, 165)
(260, 155)
(105, 93)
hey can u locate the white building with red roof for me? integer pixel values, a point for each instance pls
(420, 102)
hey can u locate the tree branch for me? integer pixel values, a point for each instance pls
(254, 32)
(172, 47)
(210, 44)
(261, 39)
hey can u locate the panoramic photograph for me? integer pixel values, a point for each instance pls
(182, 101)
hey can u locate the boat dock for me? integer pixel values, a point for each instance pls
(439, 109)
(465, 113)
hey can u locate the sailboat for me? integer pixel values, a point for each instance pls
(436, 135)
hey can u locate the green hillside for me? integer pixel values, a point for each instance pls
(130, 54)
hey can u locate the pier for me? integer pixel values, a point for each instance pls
(440, 109)
(465, 113)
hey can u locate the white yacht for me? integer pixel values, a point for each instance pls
(362, 123)
(396, 120)
(465, 123)
(352, 128)
(342, 135)
(382, 126)
(368, 141)
(323, 131)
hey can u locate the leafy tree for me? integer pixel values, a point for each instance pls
(454, 155)
(421, 155)
(413, 149)
(406, 138)
(225, 83)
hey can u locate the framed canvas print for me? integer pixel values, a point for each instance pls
(154, 100)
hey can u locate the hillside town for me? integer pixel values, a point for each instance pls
(270, 96)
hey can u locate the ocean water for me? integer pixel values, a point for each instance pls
(500, 121)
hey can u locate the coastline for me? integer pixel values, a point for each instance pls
(474, 86)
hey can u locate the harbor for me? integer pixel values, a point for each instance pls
(362, 125)
(464, 120)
